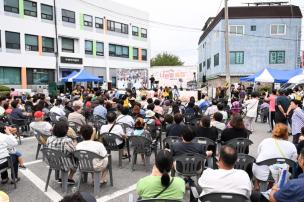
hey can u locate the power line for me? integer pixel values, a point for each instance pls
(176, 27)
(144, 20)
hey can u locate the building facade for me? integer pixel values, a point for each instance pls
(45, 40)
(259, 37)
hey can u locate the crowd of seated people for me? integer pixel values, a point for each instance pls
(146, 116)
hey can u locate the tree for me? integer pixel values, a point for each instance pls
(166, 59)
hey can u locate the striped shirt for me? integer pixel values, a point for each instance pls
(297, 121)
(63, 144)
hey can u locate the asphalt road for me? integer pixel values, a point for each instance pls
(31, 186)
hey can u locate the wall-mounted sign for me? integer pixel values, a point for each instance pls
(70, 60)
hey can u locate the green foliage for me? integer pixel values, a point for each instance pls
(4, 93)
(264, 89)
(166, 59)
(4, 88)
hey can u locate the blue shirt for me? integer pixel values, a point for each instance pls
(100, 111)
(293, 191)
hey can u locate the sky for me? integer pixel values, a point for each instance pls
(187, 13)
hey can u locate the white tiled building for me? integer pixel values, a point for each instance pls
(100, 36)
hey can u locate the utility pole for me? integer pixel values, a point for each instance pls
(228, 82)
(57, 73)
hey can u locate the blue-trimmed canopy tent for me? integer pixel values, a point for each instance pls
(269, 75)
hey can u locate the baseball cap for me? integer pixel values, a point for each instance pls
(38, 114)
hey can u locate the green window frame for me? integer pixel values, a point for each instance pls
(68, 16)
(117, 27)
(118, 51)
(236, 57)
(88, 47)
(12, 40)
(144, 54)
(48, 45)
(276, 57)
(135, 53)
(47, 12)
(31, 42)
(144, 33)
(98, 23)
(11, 6)
(135, 31)
(208, 63)
(39, 76)
(30, 8)
(216, 59)
(10, 75)
(87, 20)
(99, 48)
(67, 45)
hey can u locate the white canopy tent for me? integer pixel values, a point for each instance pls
(297, 79)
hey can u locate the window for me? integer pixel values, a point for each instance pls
(118, 51)
(236, 29)
(12, 40)
(46, 12)
(30, 8)
(111, 25)
(117, 27)
(200, 67)
(208, 63)
(31, 42)
(88, 20)
(278, 29)
(11, 6)
(88, 47)
(237, 57)
(39, 76)
(10, 75)
(276, 57)
(99, 49)
(135, 31)
(99, 23)
(135, 53)
(216, 59)
(68, 16)
(67, 45)
(204, 64)
(143, 33)
(125, 51)
(124, 29)
(253, 28)
(144, 54)
(47, 45)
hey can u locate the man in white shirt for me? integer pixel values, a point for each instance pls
(96, 147)
(42, 126)
(7, 141)
(125, 118)
(58, 109)
(251, 106)
(114, 128)
(212, 109)
(226, 179)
